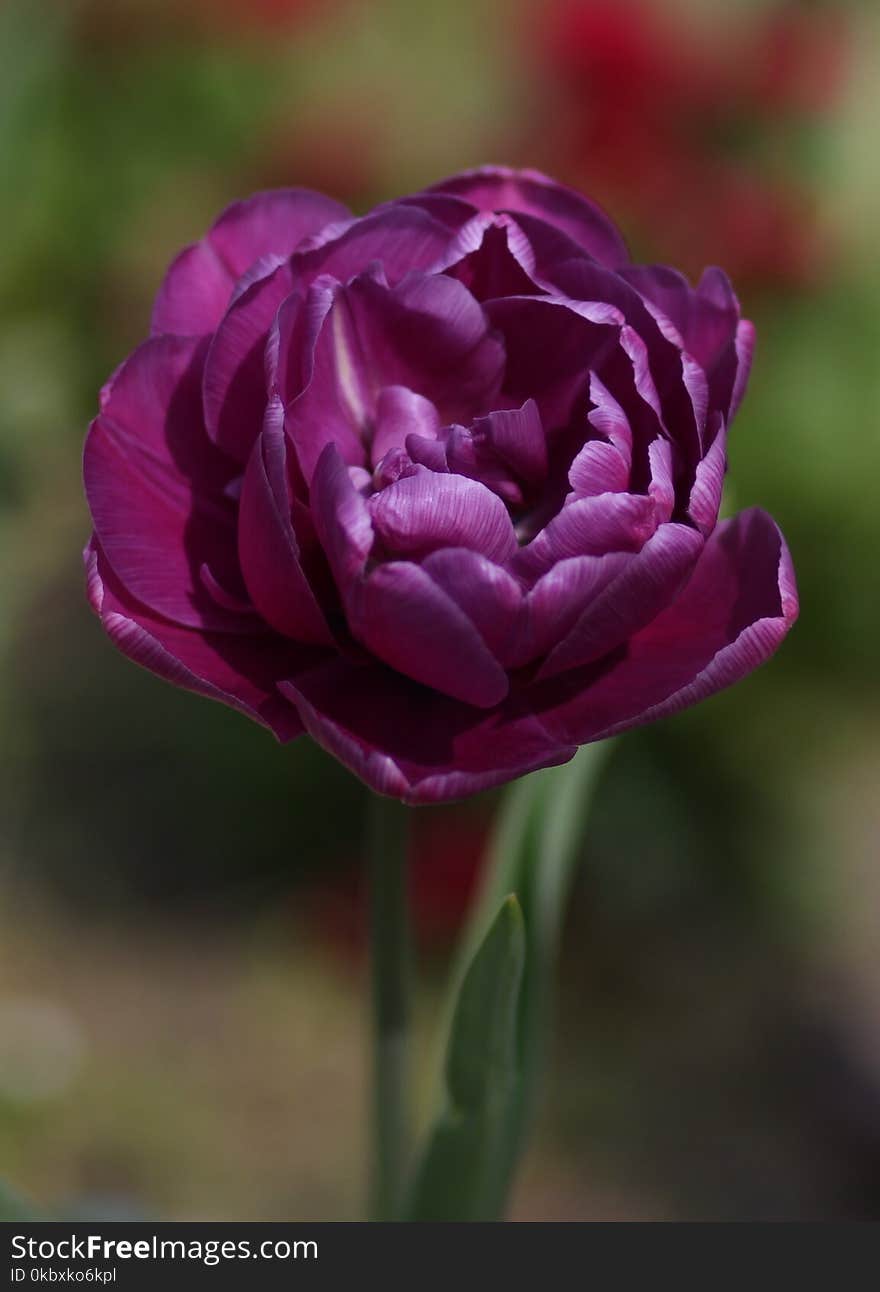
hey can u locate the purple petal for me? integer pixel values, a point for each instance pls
(268, 549)
(453, 212)
(223, 597)
(557, 600)
(644, 587)
(238, 670)
(395, 465)
(735, 610)
(704, 323)
(401, 412)
(611, 522)
(335, 728)
(549, 250)
(679, 383)
(341, 517)
(498, 188)
(609, 419)
(411, 742)
(234, 388)
(729, 378)
(492, 257)
(427, 334)
(199, 284)
(157, 487)
(552, 343)
(272, 223)
(425, 511)
(626, 378)
(290, 347)
(490, 598)
(399, 238)
(194, 294)
(705, 499)
(407, 740)
(441, 336)
(428, 453)
(517, 436)
(707, 322)
(662, 488)
(501, 231)
(332, 407)
(637, 352)
(466, 456)
(598, 468)
(411, 624)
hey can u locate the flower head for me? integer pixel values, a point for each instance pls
(439, 485)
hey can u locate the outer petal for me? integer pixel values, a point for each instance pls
(235, 370)
(707, 324)
(156, 486)
(498, 188)
(199, 283)
(402, 239)
(705, 498)
(704, 319)
(644, 587)
(454, 212)
(238, 670)
(732, 615)
(194, 293)
(408, 621)
(268, 549)
(409, 741)
(728, 382)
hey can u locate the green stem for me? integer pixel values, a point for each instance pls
(390, 957)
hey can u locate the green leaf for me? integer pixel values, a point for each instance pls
(459, 1175)
(534, 854)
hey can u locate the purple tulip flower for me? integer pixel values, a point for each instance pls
(439, 485)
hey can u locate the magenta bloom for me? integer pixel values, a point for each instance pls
(439, 485)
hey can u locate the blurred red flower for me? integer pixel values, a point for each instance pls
(798, 58)
(687, 128)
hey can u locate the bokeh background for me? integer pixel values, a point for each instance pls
(182, 965)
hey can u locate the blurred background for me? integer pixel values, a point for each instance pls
(182, 962)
